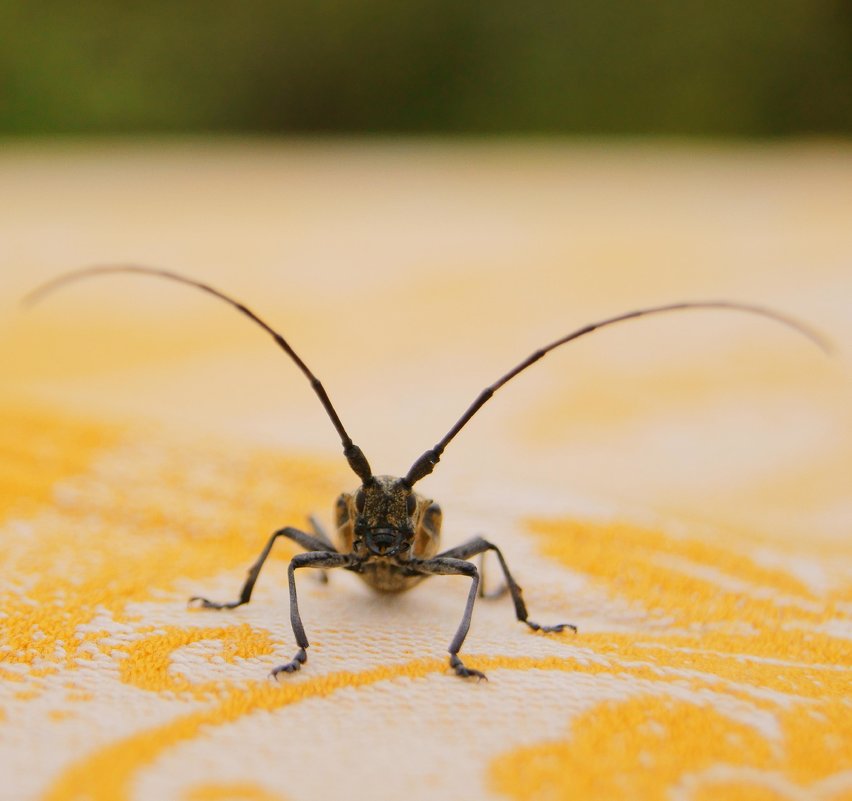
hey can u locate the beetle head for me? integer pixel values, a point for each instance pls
(385, 512)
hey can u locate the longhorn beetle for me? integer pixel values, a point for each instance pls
(387, 533)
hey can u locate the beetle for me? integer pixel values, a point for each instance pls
(388, 534)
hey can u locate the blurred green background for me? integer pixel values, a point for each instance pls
(675, 67)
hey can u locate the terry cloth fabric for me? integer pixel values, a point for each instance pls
(678, 488)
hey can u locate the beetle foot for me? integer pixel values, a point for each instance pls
(551, 629)
(197, 602)
(292, 666)
(465, 672)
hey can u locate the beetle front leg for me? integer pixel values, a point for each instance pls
(445, 566)
(315, 559)
(478, 545)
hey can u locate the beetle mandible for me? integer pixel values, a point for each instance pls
(388, 534)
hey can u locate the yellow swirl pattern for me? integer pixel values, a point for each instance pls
(649, 745)
(735, 682)
(711, 662)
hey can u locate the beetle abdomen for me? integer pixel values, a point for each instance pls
(387, 576)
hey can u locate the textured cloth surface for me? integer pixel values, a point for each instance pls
(679, 488)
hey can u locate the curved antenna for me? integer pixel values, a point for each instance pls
(354, 455)
(426, 463)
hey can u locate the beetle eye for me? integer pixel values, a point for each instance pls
(359, 501)
(410, 504)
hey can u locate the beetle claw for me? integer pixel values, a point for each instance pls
(465, 672)
(197, 602)
(292, 666)
(551, 629)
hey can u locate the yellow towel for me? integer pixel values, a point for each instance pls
(678, 488)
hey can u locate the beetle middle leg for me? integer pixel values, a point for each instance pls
(307, 541)
(321, 534)
(491, 595)
(478, 545)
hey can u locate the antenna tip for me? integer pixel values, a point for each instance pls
(32, 297)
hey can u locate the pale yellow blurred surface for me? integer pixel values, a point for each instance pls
(410, 275)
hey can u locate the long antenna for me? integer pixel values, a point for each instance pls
(357, 461)
(426, 463)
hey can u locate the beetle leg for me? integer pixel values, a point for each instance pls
(308, 542)
(315, 559)
(478, 545)
(483, 593)
(446, 566)
(321, 534)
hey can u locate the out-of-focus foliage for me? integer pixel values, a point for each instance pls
(741, 67)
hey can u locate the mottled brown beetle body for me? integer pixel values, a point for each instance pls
(388, 534)
(393, 526)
